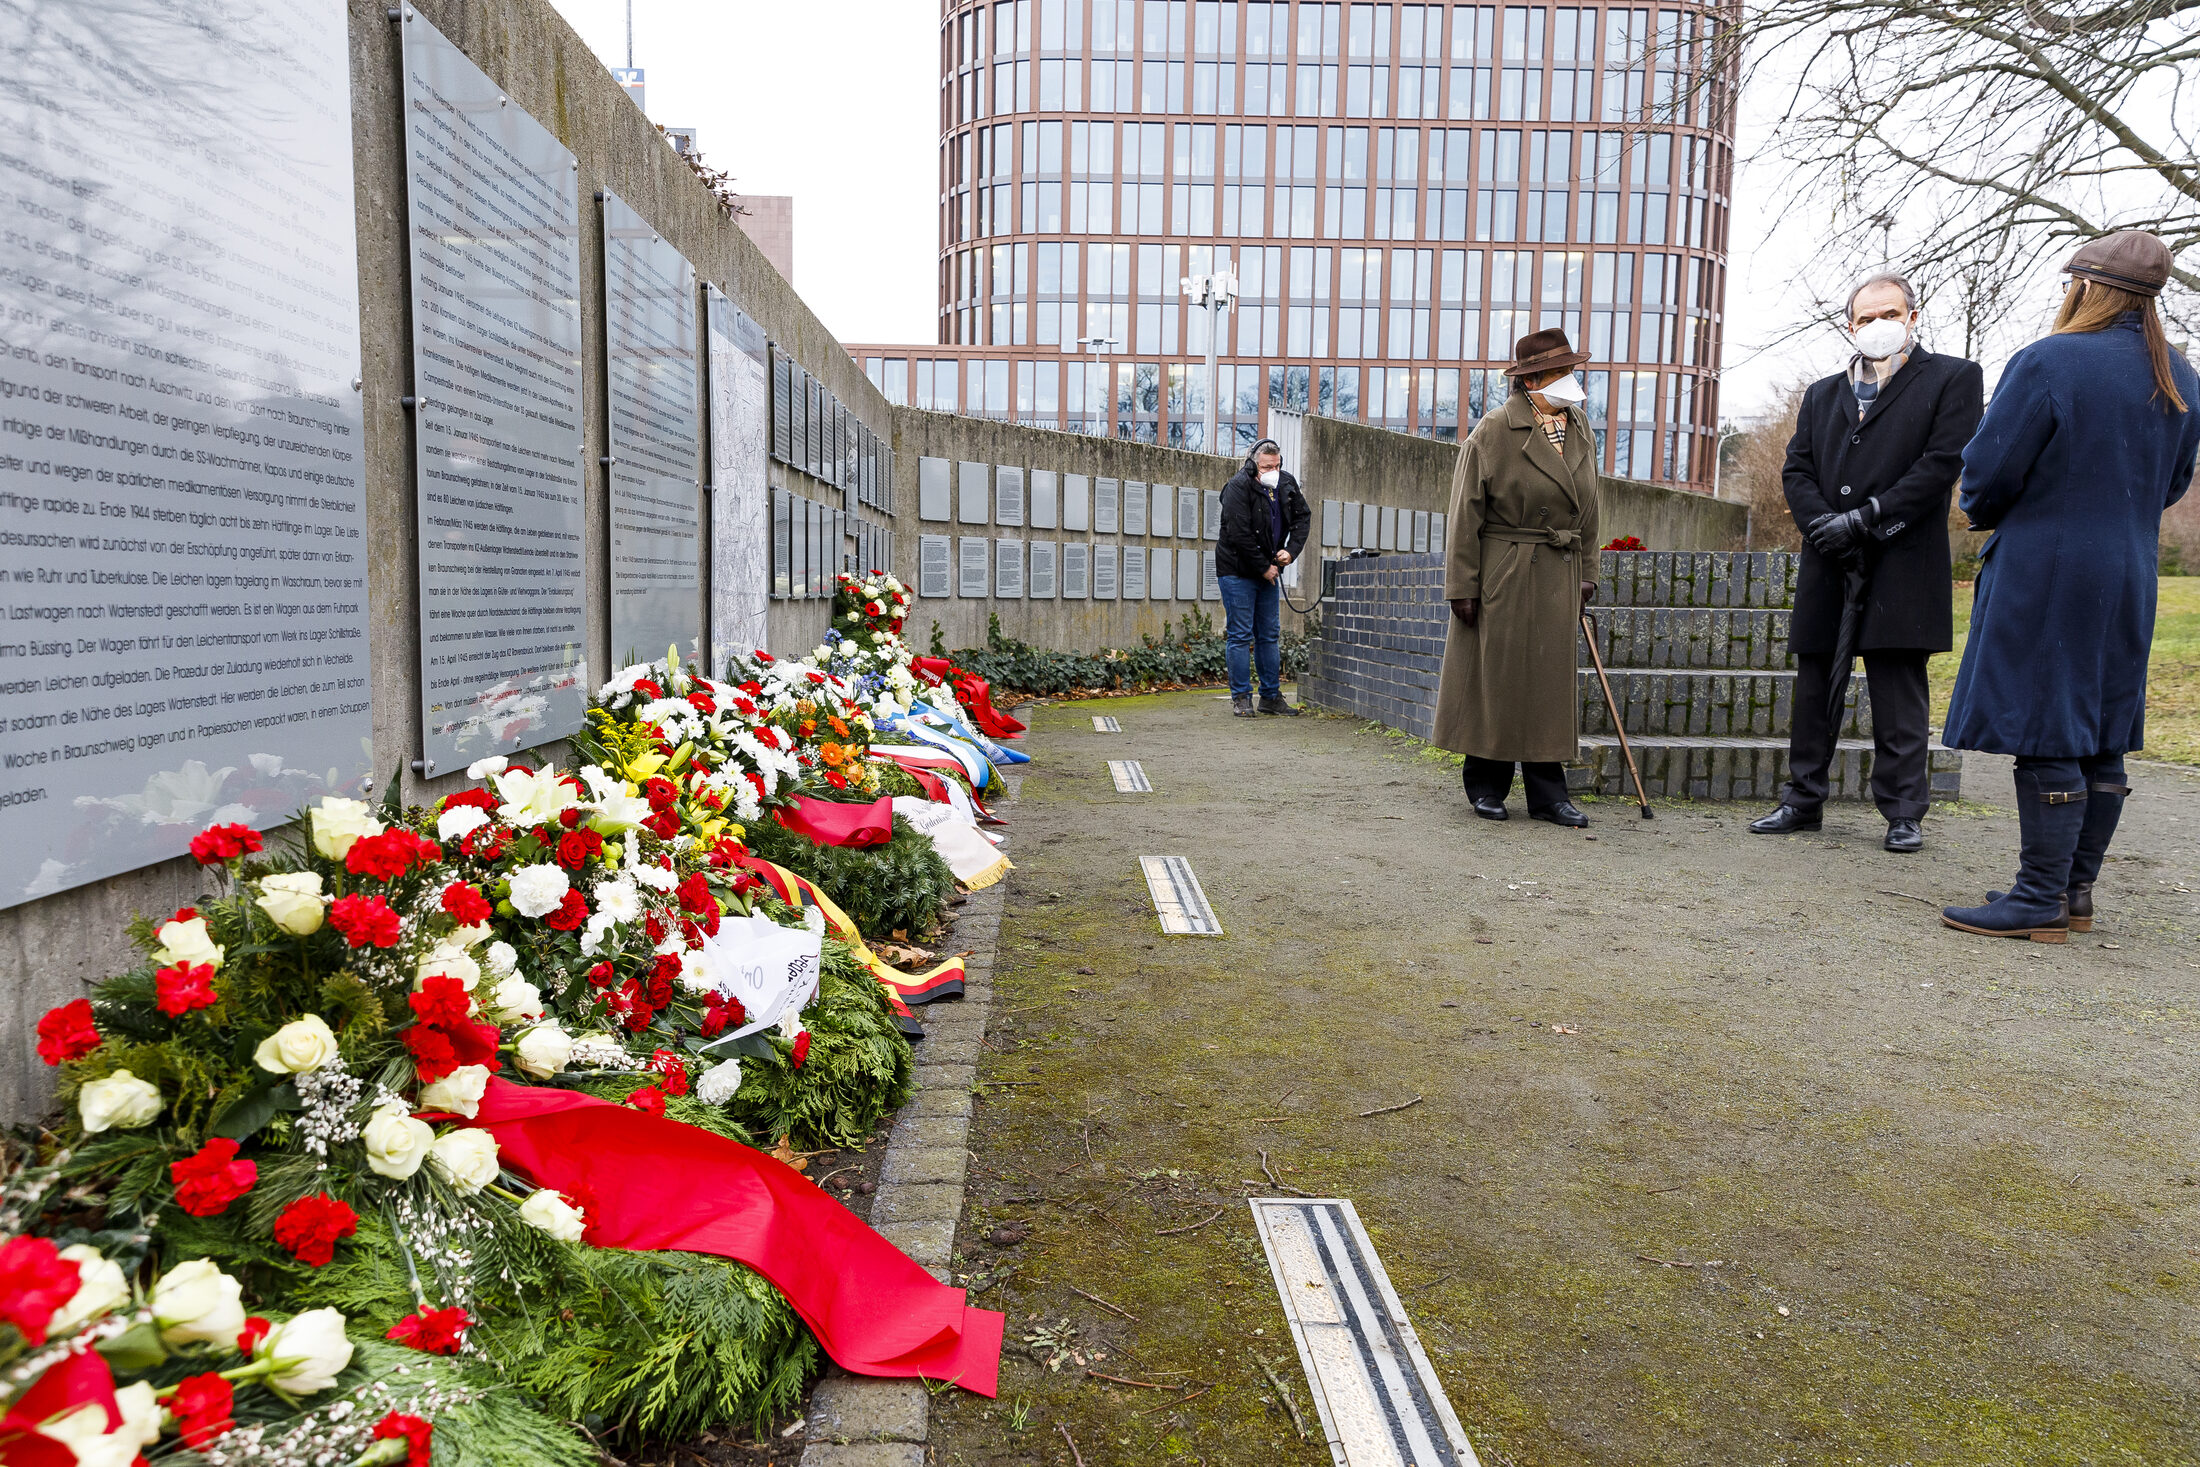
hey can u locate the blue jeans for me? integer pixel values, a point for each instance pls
(1252, 611)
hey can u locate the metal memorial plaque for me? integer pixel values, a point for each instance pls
(1008, 496)
(1389, 529)
(933, 490)
(935, 570)
(1039, 584)
(656, 440)
(1101, 723)
(1134, 573)
(1187, 512)
(740, 508)
(971, 483)
(1129, 777)
(1332, 522)
(1214, 514)
(782, 543)
(1134, 507)
(1107, 502)
(1177, 898)
(1008, 568)
(1160, 577)
(1187, 574)
(1161, 521)
(1438, 528)
(1076, 503)
(798, 563)
(1210, 589)
(181, 476)
(782, 407)
(1371, 526)
(1076, 570)
(1351, 524)
(1043, 500)
(974, 553)
(494, 209)
(1420, 532)
(1104, 572)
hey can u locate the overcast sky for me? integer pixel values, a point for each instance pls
(836, 103)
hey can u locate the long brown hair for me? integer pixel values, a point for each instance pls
(2092, 306)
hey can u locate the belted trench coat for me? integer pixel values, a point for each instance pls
(1522, 538)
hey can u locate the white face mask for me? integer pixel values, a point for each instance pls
(1565, 392)
(1881, 339)
(1271, 478)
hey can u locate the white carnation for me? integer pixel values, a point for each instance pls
(537, 890)
(716, 1085)
(460, 820)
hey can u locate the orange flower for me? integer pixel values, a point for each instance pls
(838, 727)
(809, 728)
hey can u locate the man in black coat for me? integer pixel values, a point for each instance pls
(1877, 451)
(1264, 525)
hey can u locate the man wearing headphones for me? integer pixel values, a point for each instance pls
(1264, 526)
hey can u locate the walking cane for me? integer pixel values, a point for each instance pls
(1589, 631)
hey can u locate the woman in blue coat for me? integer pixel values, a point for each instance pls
(2092, 433)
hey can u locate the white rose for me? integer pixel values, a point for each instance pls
(503, 959)
(460, 820)
(122, 1099)
(554, 1215)
(83, 1430)
(100, 1287)
(544, 1051)
(196, 1303)
(187, 942)
(459, 1092)
(448, 961)
(468, 937)
(537, 890)
(716, 1085)
(481, 769)
(465, 1159)
(310, 1350)
(300, 1046)
(294, 901)
(396, 1143)
(337, 823)
(515, 999)
(141, 1412)
(533, 799)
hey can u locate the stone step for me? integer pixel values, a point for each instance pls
(1760, 579)
(1750, 769)
(1711, 702)
(1690, 637)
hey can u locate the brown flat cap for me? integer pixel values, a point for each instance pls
(2130, 259)
(1543, 351)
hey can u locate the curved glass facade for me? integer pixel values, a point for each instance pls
(1401, 191)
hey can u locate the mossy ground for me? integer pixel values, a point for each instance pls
(1800, 1177)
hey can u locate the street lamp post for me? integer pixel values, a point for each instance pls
(1215, 293)
(1099, 345)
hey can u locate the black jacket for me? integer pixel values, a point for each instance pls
(1247, 545)
(1904, 457)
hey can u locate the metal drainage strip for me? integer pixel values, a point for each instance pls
(1380, 1403)
(1105, 725)
(1181, 905)
(1129, 777)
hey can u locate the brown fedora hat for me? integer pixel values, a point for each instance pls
(1544, 351)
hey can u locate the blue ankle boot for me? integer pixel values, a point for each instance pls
(2049, 822)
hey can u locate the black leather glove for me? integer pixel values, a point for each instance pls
(1467, 609)
(1840, 536)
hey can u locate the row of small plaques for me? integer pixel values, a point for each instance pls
(1347, 525)
(979, 494)
(808, 546)
(814, 431)
(974, 567)
(874, 547)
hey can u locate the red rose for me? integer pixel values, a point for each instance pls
(467, 906)
(67, 1033)
(600, 976)
(224, 843)
(571, 912)
(415, 1431)
(720, 1011)
(649, 1100)
(442, 1000)
(702, 702)
(488, 847)
(479, 799)
(658, 990)
(660, 792)
(668, 1063)
(206, 1183)
(432, 1331)
(35, 1280)
(255, 1330)
(364, 920)
(575, 848)
(310, 1227)
(664, 825)
(179, 989)
(570, 818)
(801, 1050)
(201, 1404)
(694, 895)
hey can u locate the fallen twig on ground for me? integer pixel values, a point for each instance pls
(1278, 1185)
(1195, 1227)
(1432, 1283)
(1384, 1110)
(1663, 1262)
(1180, 1400)
(1928, 901)
(1080, 1456)
(1144, 1385)
(1104, 1304)
(1283, 1393)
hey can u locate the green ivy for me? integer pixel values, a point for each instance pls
(1184, 652)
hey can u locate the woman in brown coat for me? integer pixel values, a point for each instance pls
(1519, 567)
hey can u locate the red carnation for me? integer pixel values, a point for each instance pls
(664, 825)
(201, 1405)
(67, 1033)
(659, 990)
(442, 1000)
(224, 843)
(363, 920)
(575, 848)
(571, 912)
(648, 687)
(669, 1064)
(702, 702)
(801, 1050)
(434, 1056)
(310, 1227)
(414, 1431)
(184, 914)
(432, 1331)
(654, 925)
(35, 1280)
(255, 1330)
(383, 857)
(720, 1011)
(479, 799)
(766, 658)
(482, 843)
(660, 792)
(694, 895)
(206, 1183)
(649, 1100)
(179, 989)
(467, 906)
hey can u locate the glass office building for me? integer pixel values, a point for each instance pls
(1400, 190)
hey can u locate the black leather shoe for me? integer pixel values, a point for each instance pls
(1489, 809)
(1278, 707)
(1563, 813)
(1904, 838)
(1787, 820)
